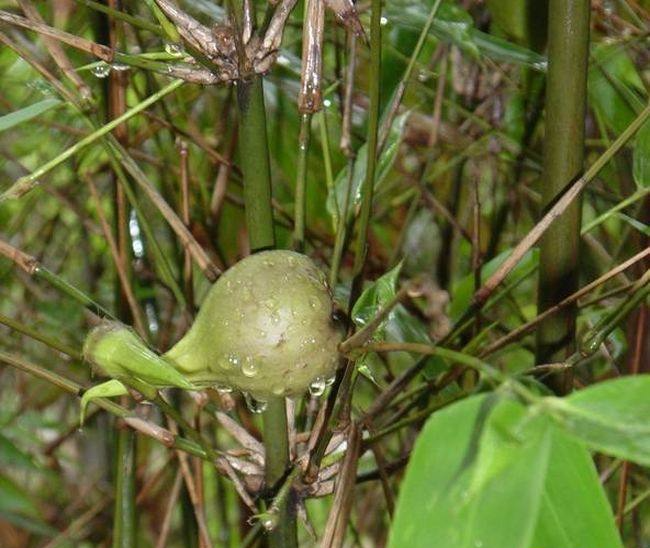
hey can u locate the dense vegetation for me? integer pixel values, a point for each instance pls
(471, 179)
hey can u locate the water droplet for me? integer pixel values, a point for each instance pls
(314, 302)
(327, 103)
(268, 524)
(120, 67)
(317, 386)
(329, 381)
(174, 49)
(275, 318)
(423, 76)
(278, 390)
(383, 21)
(249, 367)
(254, 405)
(101, 70)
(224, 389)
(233, 360)
(262, 334)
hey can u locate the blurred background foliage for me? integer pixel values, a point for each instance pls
(468, 134)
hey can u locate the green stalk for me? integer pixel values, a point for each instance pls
(367, 190)
(301, 181)
(254, 161)
(566, 90)
(124, 518)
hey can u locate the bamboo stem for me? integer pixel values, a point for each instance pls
(254, 160)
(566, 94)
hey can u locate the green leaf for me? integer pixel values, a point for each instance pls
(611, 417)
(375, 297)
(641, 156)
(455, 25)
(481, 487)
(10, 455)
(575, 510)
(614, 86)
(13, 499)
(336, 197)
(464, 290)
(25, 114)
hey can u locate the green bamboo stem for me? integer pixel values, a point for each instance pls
(255, 164)
(124, 516)
(566, 90)
(301, 182)
(254, 161)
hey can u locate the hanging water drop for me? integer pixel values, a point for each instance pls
(317, 386)
(101, 70)
(329, 381)
(254, 405)
(233, 360)
(249, 367)
(223, 389)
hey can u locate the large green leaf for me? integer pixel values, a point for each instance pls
(474, 480)
(575, 511)
(611, 416)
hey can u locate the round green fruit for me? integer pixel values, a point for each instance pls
(265, 328)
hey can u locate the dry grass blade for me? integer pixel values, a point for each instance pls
(337, 522)
(102, 52)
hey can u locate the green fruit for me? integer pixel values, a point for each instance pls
(265, 328)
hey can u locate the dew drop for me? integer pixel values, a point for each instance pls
(119, 67)
(317, 386)
(383, 21)
(329, 381)
(101, 70)
(224, 389)
(249, 367)
(314, 302)
(268, 524)
(254, 405)
(275, 318)
(233, 360)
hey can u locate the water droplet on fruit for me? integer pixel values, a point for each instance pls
(101, 70)
(233, 360)
(317, 386)
(249, 367)
(275, 318)
(224, 389)
(329, 381)
(314, 302)
(254, 405)
(262, 334)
